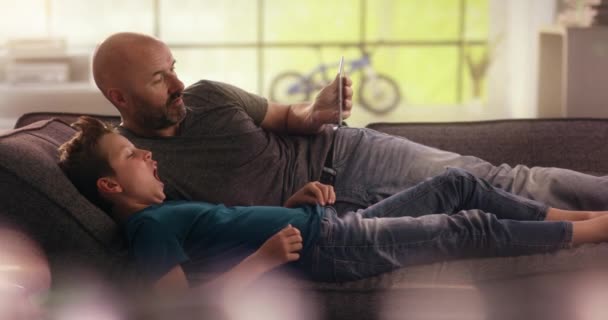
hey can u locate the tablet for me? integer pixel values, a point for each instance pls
(340, 90)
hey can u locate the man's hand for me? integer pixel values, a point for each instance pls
(281, 248)
(312, 193)
(325, 109)
(309, 118)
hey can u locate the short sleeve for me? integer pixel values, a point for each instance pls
(210, 94)
(155, 250)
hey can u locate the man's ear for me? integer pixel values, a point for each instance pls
(108, 185)
(117, 98)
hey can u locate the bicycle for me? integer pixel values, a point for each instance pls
(377, 93)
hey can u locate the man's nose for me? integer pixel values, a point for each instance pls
(175, 85)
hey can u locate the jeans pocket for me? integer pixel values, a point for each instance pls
(355, 270)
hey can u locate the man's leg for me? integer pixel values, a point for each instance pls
(372, 166)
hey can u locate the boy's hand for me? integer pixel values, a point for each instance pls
(312, 193)
(281, 247)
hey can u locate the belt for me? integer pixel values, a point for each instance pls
(328, 174)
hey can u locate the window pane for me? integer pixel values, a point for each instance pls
(208, 21)
(477, 20)
(89, 22)
(426, 79)
(22, 19)
(235, 66)
(474, 73)
(426, 76)
(412, 20)
(311, 20)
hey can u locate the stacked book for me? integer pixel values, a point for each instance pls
(37, 61)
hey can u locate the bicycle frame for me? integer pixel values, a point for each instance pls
(307, 84)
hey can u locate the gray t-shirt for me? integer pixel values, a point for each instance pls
(222, 155)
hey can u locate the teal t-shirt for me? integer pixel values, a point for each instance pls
(204, 237)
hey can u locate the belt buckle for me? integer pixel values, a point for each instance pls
(328, 176)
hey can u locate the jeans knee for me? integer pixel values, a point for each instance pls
(457, 173)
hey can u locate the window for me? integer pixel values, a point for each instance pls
(433, 53)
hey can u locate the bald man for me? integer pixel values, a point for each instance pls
(218, 143)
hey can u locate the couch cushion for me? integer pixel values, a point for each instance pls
(30, 154)
(533, 142)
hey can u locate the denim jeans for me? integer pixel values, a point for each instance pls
(452, 215)
(372, 166)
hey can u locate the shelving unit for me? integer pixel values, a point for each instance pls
(573, 72)
(28, 89)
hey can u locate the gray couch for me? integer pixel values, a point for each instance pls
(39, 200)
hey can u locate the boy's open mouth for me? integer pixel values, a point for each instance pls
(156, 174)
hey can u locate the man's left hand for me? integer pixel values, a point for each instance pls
(325, 109)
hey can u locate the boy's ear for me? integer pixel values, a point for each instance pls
(108, 185)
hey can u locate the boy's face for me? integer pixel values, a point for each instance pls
(136, 175)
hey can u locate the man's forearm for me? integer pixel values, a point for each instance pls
(293, 118)
(309, 118)
(300, 119)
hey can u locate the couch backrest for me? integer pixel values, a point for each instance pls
(55, 214)
(577, 144)
(68, 117)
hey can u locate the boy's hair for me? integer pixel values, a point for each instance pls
(83, 163)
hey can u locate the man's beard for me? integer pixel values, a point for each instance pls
(164, 117)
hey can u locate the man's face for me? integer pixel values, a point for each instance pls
(154, 91)
(136, 173)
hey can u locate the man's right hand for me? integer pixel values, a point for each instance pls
(281, 248)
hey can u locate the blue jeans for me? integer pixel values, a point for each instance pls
(452, 215)
(372, 166)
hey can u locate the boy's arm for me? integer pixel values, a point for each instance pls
(312, 193)
(174, 281)
(277, 250)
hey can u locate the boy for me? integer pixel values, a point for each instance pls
(450, 216)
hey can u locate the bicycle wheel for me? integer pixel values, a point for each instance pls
(379, 94)
(289, 87)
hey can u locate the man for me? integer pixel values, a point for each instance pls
(218, 143)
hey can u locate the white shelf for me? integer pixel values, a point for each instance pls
(49, 87)
(16, 100)
(78, 95)
(573, 72)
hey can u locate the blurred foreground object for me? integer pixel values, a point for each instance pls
(579, 13)
(24, 276)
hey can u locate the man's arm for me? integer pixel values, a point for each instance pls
(309, 118)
